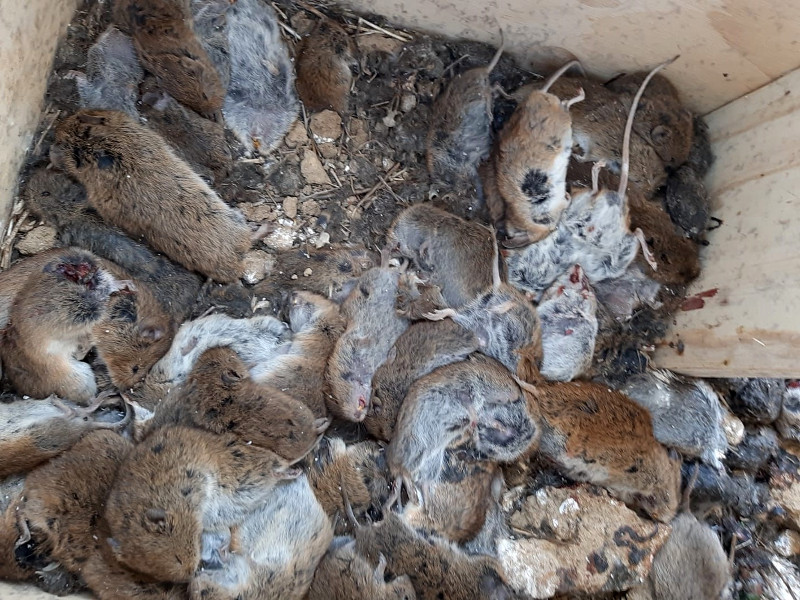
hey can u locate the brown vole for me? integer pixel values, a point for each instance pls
(136, 182)
(326, 61)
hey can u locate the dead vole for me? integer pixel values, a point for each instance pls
(344, 573)
(113, 74)
(50, 326)
(33, 431)
(261, 104)
(220, 397)
(168, 47)
(135, 181)
(326, 61)
(423, 347)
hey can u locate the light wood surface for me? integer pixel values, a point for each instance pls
(751, 327)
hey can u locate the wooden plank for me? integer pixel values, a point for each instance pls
(728, 47)
(26, 591)
(751, 327)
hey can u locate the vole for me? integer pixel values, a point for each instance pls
(136, 182)
(567, 312)
(50, 326)
(372, 328)
(455, 405)
(502, 319)
(278, 548)
(326, 63)
(423, 347)
(199, 141)
(168, 47)
(113, 74)
(300, 371)
(437, 569)
(33, 431)
(220, 397)
(459, 130)
(344, 573)
(182, 485)
(261, 103)
(450, 252)
(599, 219)
(686, 413)
(62, 203)
(530, 165)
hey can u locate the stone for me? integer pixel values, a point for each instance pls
(257, 264)
(37, 240)
(578, 540)
(323, 239)
(312, 169)
(359, 133)
(788, 423)
(297, 135)
(280, 239)
(325, 126)
(787, 544)
(258, 212)
(378, 43)
(407, 102)
(290, 207)
(328, 150)
(310, 208)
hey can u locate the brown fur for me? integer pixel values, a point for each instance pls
(136, 182)
(15, 278)
(300, 372)
(168, 47)
(324, 61)
(50, 325)
(344, 573)
(437, 569)
(220, 397)
(64, 498)
(33, 431)
(422, 348)
(599, 435)
(176, 483)
(199, 141)
(10, 499)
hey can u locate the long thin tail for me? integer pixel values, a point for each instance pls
(554, 77)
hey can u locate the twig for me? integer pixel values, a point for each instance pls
(8, 242)
(397, 36)
(289, 30)
(52, 121)
(310, 9)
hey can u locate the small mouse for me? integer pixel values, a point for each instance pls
(178, 485)
(459, 129)
(256, 340)
(300, 371)
(449, 252)
(261, 103)
(344, 573)
(423, 347)
(50, 326)
(599, 435)
(137, 183)
(530, 165)
(437, 568)
(331, 272)
(220, 396)
(277, 549)
(326, 64)
(168, 47)
(357, 472)
(63, 499)
(113, 74)
(686, 413)
(373, 326)
(663, 122)
(567, 312)
(502, 319)
(33, 431)
(62, 203)
(458, 503)
(457, 405)
(599, 219)
(197, 140)
(211, 27)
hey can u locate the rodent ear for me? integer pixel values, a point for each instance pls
(91, 119)
(230, 376)
(151, 332)
(156, 515)
(115, 545)
(659, 133)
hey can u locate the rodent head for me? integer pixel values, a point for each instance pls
(662, 503)
(306, 308)
(352, 391)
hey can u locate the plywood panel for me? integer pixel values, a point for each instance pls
(751, 326)
(727, 47)
(20, 591)
(29, 32)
